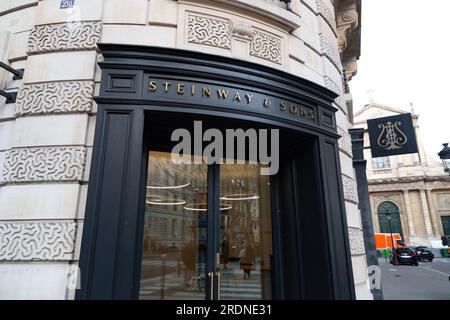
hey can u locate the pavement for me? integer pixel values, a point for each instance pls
(428, 281)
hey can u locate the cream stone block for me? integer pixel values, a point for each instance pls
(324, 27)
(346, 164)
(310, 5)
(91, 131)
(82, 201)
(353, 215)
(362, 291)
(18, 21)
(341, 119)
(18, 46)
(57, 130)
(296, 7)
(48, 11)
(309, 35)
(360, 272)
(26, 281)
(4, 5)
(331, 70)
(4, 43)
(297, 49)
(308, 16)
(140, 35)
(303, 71)
(127, 12)
(164, 12)
(39, 201)
(14, 4)
(313, 60)
(61, 66)
(6, 134)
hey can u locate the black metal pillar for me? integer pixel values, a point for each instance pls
(359, 164)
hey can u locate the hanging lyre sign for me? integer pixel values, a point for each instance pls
(391, 136)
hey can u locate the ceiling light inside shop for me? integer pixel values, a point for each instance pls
(239, 196)
(204, 207)
(166, 202)
(169, 187)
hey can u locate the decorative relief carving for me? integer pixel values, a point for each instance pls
(44, 164)
(395, 198)
(327, 14)
(443, 201)
(345, 143)
(329, 50)
(350, 189)
(55, 97)
(64, 36)
(208, 31)
(37, 241)
(266, 46)
(356, 239)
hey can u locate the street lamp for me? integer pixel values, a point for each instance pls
(389, 219)
(444, 154)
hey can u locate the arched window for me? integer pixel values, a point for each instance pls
(396, 223)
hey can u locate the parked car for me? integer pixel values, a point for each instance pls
(424, 253)
(405, 256)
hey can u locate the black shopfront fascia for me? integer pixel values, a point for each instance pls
(311, 249)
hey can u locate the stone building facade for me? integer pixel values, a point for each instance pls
(47, 135)
(414, 186)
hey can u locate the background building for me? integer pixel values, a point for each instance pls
(47, 135)
(414, 187)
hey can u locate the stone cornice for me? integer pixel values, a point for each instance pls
(413, 183)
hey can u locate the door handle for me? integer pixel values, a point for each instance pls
(211, 281)
(219, 283)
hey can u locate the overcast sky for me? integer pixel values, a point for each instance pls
(405, 57)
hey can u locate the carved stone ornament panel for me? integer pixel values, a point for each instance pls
(266, 46)
(209, 31)
(327, 14)
(345, 143)
(330, 51)
(55, 97)
(443, 201)
(44, 164)
(219, 32)
(64, 36)
(350, 189)
(356, 239)
(37, 241)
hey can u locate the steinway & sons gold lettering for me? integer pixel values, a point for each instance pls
(234, 96)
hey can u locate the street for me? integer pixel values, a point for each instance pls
(428, 281)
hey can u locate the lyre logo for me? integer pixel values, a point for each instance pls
(391, 137)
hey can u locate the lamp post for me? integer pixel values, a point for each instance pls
(389, 219)
(444, 154)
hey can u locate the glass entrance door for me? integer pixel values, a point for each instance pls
(245, 250)
(175, 230)
(191, 251)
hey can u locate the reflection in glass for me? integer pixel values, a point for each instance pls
(245, 233)
(174, 248)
